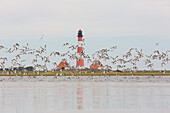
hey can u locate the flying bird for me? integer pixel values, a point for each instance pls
(41, 37)
(157, 44)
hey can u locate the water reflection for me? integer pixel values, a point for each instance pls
(40, 97)
(80, 97)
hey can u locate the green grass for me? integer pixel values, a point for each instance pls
(97, 73)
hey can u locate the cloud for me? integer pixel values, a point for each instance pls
(105, 18)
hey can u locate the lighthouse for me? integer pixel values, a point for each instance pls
(80, 50)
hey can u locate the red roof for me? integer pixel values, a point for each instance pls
(63, 64)
(96, 64)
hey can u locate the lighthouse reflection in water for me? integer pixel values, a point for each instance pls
(50, 97)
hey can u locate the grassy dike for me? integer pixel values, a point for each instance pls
(97, 73)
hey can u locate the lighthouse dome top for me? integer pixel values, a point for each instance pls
(80, 33)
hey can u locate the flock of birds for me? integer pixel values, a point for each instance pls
(133, 56)
(40, 57)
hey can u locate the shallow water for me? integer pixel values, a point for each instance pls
(85, 79)
(74, 97)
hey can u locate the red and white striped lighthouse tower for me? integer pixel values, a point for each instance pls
(80, 50)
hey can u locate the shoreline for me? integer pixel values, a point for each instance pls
(121, 79)
(82, 73)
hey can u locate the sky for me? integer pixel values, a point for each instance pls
(105, 23)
